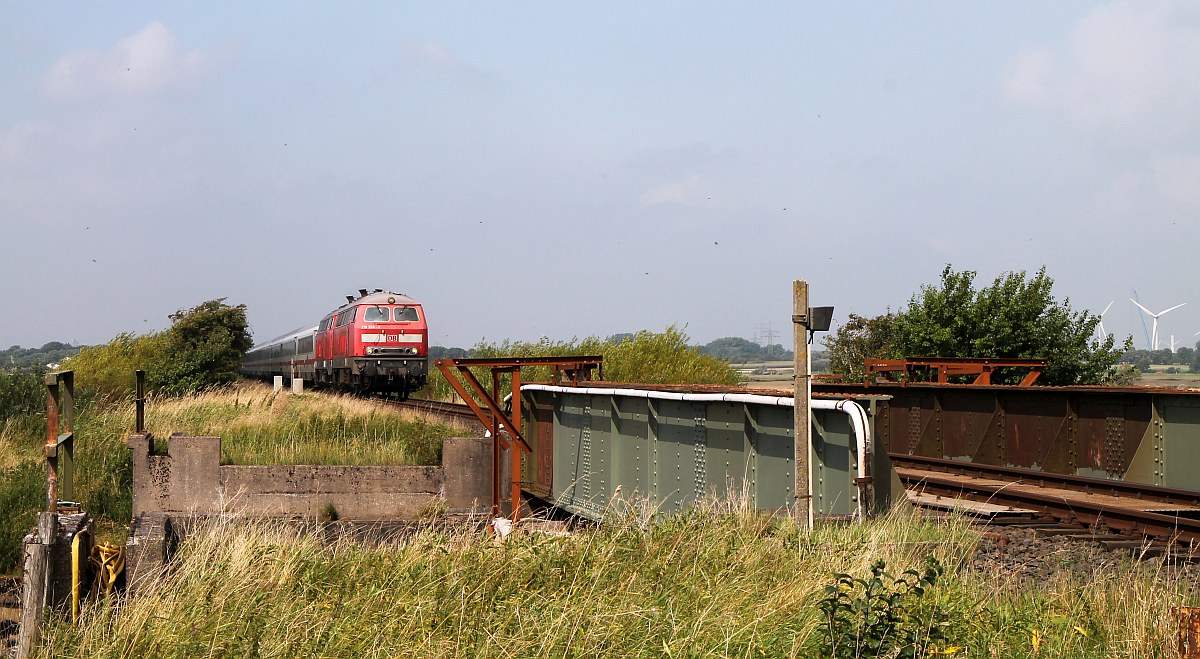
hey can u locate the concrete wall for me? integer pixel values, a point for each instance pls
(190, 479)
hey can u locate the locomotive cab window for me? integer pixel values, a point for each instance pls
(405, 314)
(376, 314)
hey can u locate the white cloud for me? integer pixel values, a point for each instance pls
(146, 62)
(1128, 69)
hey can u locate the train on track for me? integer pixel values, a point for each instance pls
(377, 342)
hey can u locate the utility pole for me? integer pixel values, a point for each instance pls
(803, 394)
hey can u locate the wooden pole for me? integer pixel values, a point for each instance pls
(803, 393)
(36, 588)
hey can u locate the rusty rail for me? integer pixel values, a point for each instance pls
(947, 367)
(1160, 513)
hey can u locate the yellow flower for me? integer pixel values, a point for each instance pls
(1036, 639)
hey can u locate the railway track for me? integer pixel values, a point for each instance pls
(437, 408)
(1116, 513)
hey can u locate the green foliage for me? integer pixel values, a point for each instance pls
(1016, 316)
(737, 350)
(36, 359)
(881, 616)
(21, 393)
(645, 358)
(442, 352)
(858, 339)
(106, 372)
(22, 495)
(203, 347)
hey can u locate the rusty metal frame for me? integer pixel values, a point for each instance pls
(491, 414)
(60, 438)
(948, 367)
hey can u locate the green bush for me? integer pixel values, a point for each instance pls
(644, 358)
(880, 616)
(202, 348)
(22, 392)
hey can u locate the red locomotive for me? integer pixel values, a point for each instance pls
(376, 343)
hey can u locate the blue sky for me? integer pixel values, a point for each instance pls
(580, 169)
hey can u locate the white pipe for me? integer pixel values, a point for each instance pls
(857, 416)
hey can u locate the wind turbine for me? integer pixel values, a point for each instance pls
(1154, 325)
(1101, 334)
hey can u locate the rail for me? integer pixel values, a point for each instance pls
(1159, 513)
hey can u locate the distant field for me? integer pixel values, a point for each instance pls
(766, 375)
(1155, 379)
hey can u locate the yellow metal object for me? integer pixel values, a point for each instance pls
(108, 561)
(75, 559)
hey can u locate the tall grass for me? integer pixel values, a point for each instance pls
(259, 426)
(256, 425)
(711, 582)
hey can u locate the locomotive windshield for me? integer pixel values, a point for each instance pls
(381, 314)
(377, 315)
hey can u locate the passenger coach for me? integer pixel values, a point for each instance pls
(377, 342)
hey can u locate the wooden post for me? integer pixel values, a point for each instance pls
(803, 393)
(36, 589)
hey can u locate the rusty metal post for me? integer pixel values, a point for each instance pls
(515, 416)
(803, 394)
(488, 407)
(60, 438)
(1187, 630)
(51, 448)
(497, 457)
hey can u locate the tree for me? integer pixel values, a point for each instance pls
(204, 347)
(857, 339)
(1015, 317)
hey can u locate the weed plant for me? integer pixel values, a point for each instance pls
(719, 581)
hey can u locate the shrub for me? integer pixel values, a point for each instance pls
(879, 616)
(21, 392)
(202, 348)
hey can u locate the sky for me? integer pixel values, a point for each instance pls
(585, 169)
